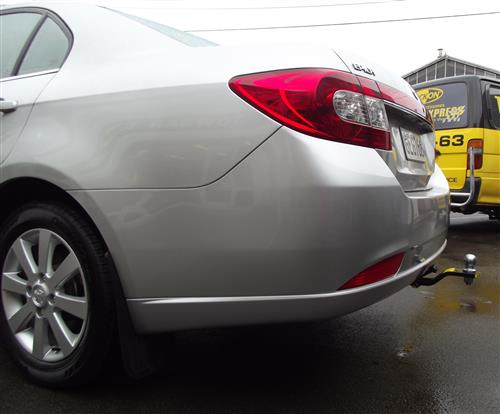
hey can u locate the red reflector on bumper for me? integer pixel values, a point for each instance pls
(379, 271)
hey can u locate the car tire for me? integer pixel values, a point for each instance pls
(60, 329)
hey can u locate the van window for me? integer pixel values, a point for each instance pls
(448, 104)
(494, 105)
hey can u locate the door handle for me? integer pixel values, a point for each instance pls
(7, 106)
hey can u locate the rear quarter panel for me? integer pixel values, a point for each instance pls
(132, 108)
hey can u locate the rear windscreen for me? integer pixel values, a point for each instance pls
(447, 104)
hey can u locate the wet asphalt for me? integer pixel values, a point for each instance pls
(427, 350)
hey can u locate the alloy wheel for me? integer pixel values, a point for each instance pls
(44, 295)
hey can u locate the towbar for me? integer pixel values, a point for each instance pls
(469, 273)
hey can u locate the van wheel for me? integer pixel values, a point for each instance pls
(57, 311)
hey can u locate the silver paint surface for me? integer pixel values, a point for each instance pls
(198, 194)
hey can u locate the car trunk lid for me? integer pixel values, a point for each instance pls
(412, 158)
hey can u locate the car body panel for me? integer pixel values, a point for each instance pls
(162, 86)
(286, 220)
(174, 314)
(362, 66)
(412, 175)
(24, 91)
(199, 195)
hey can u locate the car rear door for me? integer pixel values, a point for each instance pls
(34, 44)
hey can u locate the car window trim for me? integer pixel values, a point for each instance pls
(45, 14)
(30, 75)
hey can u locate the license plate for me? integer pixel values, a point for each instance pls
(412, 143)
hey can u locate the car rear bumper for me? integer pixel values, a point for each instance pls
(170, 314)
(295, 219)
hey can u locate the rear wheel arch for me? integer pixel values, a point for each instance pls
(136, 355)
(23, 190)
(19, 191)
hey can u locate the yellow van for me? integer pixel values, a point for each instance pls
(466, 113)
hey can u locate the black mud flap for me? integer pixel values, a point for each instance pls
(141, 355)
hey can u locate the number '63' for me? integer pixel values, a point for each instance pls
(447, 140)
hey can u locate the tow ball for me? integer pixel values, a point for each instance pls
(469, 273)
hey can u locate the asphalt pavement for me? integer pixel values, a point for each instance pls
(427, 350)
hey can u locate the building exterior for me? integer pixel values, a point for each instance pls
(447, 66)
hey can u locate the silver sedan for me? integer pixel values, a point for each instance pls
(151, 181)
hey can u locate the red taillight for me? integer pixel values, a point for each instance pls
(477, 147)
(379, 271)
(324, 103)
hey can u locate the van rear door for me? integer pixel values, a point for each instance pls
(449, 105)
